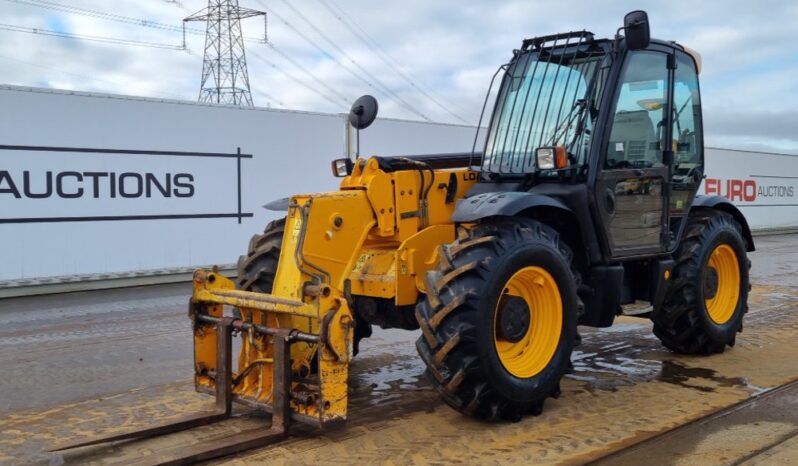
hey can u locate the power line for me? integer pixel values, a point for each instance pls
(295, 79)
(168, 27)
(269, 96)
(312, 43)
(81, 76)
(383, 55)
(98, 14)
(377, 84)
(94, 78)
(102, 39)
(355, 63)
(329, 88)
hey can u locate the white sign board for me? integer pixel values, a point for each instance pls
(764, 186)
(97, 184)
(81, 184)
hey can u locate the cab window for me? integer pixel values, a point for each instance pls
(639, 120)
(688, 167)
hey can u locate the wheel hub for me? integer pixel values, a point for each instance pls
(514, 319)
(710, 282)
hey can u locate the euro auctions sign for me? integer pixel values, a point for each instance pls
(749, 190)
(78, 184)
(763, 185)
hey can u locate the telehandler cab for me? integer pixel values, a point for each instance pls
(584, 199)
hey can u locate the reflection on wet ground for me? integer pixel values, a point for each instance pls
(605, 363)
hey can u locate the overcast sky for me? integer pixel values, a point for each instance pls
(446, 52)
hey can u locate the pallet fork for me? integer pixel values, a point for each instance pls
(282, 339)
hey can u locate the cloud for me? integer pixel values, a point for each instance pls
(755, 126)
(448, 48)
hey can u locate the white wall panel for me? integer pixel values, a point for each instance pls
(764, 186)
(291, 152)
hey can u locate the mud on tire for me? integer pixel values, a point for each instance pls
(683, 323)
(457, 318)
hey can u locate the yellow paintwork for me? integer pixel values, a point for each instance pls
(373, 274)
(417, 255)
(721, 307)
(532, 353)
(356, 238)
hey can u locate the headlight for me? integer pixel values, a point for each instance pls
(545, 158)
(549, 158)
(341, 167)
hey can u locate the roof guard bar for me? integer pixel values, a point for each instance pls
(538, 42)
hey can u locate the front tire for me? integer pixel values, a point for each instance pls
(499, 319)
(708, 297)
(257, 269)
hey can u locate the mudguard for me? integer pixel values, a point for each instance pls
(723, 204)
(507, 204)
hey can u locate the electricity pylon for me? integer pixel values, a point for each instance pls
(224, 69)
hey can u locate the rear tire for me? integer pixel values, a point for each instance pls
(704, 307)
(489, 354)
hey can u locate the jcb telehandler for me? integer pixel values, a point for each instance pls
(584, 199)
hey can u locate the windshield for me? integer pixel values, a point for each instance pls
(542, 102)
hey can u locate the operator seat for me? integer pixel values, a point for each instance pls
(633, 138)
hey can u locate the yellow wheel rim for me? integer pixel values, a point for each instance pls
(721, 306)
(531, 350)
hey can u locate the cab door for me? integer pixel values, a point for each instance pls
(631, 186)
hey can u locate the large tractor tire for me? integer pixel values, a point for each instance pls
(499, 319)
(704, 307)
(258, 268)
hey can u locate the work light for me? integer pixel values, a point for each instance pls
(341, 167)
(549, 158)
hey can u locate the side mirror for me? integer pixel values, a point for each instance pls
(363, 112)
(362, 115)
(637, 31)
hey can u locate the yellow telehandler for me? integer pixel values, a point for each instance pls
(583, 199)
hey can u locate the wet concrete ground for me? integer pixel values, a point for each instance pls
(764, 430)
(79, 364)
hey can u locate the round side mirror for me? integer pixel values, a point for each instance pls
(364, 112)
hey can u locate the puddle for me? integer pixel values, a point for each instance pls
(607, 360)
(679, 374)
